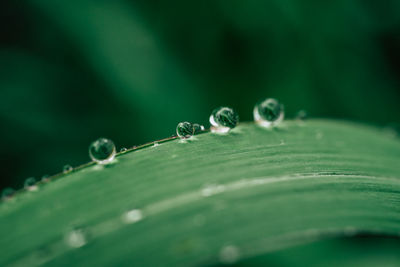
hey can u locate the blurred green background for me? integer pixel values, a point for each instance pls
(73, 71)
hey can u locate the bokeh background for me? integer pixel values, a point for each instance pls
(73, 71)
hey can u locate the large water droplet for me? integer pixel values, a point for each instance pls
(102, 151)
(76, 238)
(185, 130)
(223, 119)
(229, 254)
(268, 113)
(30, 184)
(7, 193)
(132, 216)
(67, 168)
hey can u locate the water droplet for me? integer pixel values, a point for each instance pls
(30, 184)
(185, 130)
(102, 151)
(45, 178)
(76, 238)
(301, 115)
(198, 128)
(7, 193)
(123, 150)
(67, 168)
(132, 216)
(223, 119)
(229, 254)
(156, 144)
(268, 113)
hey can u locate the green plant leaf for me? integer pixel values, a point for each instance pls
(253, 190)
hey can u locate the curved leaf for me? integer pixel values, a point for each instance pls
(253, 191)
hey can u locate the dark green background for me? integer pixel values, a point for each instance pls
(72, 71)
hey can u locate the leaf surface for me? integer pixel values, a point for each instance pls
(255, 190)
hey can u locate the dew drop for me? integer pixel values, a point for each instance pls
(229, 254)
(268, 113)
(7, 193)
(132, 216)
(76, 238)
(156, 144)
(123, 150)
(185, 130)
(67, 168)
(45, 178)
(197, 128)
(223, 119)
(102, 151)
(30, 184)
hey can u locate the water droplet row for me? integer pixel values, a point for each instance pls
(267, 113)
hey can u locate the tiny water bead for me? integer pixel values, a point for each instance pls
(102, 151)
(268, 113)
(67, 168)
(197, 128)
(30, 184)
(7, 193)
(223, 119)
(185, 130)
(123, 150)
(45, 178)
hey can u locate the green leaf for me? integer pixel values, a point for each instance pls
(250, 192)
